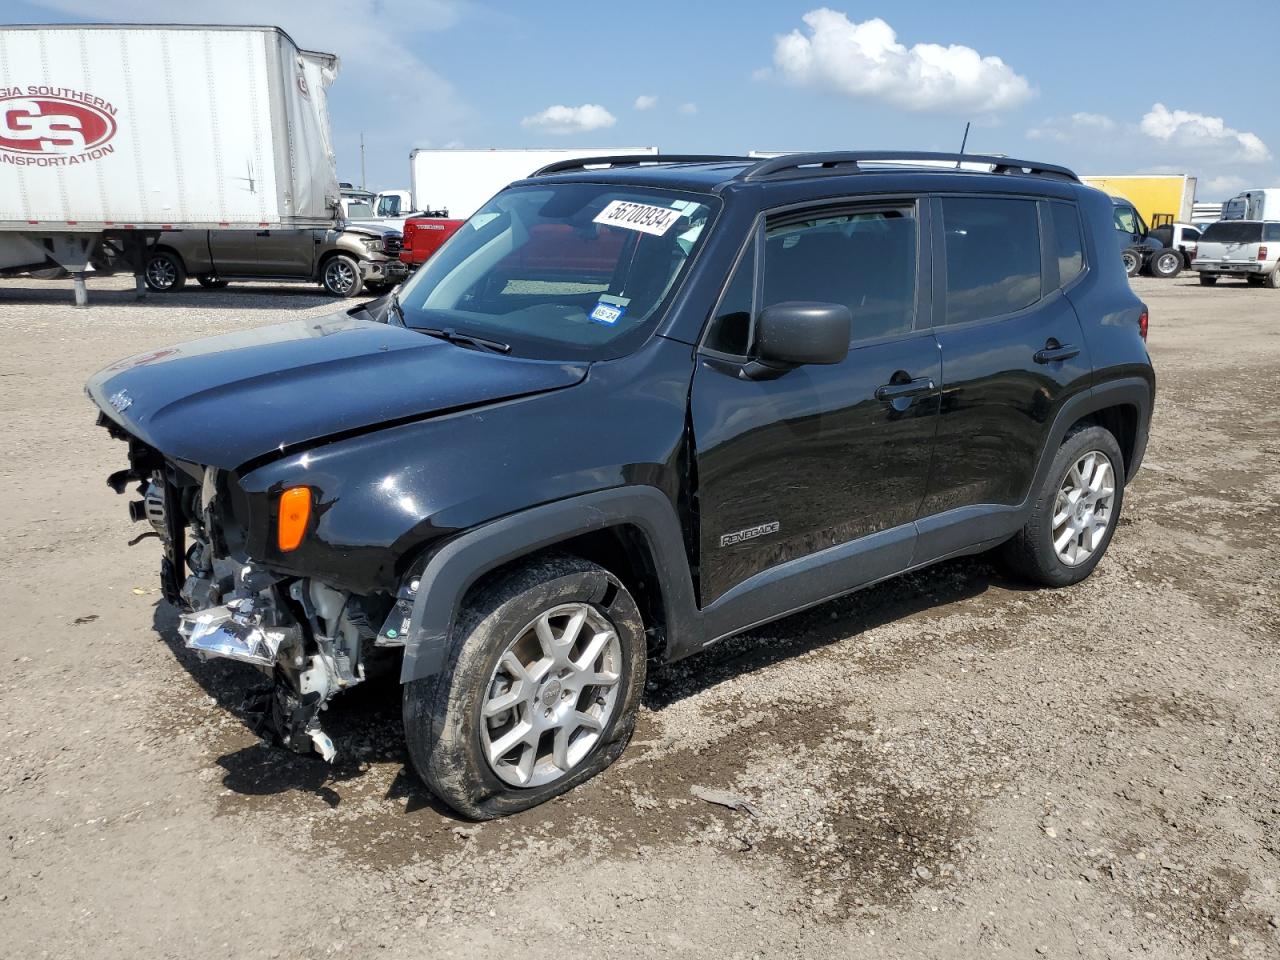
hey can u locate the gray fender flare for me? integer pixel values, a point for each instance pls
(459, 563)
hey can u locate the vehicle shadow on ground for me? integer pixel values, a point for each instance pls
(365, 722)
(238, 296)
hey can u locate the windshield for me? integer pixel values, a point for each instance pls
(567, 270)
(1233, 231)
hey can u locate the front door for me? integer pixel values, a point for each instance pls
(820, 456)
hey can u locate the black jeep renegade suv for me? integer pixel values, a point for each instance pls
(633, 407)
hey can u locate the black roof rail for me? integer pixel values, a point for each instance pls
(848, 162)
(632, 160)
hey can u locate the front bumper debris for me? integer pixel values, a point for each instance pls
(237, 630)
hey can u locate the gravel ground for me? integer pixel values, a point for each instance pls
(948, 765)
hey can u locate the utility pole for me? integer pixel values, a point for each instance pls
(362, 186)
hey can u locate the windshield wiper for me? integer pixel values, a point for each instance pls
(397, 309)
(464, 339)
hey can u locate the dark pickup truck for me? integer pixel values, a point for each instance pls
(625, 412)
(345, 259)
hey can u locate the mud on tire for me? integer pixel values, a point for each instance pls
(442, 714)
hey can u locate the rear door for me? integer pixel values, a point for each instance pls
(820, 456)
(1012, 348)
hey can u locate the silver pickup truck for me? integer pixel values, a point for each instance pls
(1240, 248)
(344, 259)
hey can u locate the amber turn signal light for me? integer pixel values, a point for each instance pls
(291, 524)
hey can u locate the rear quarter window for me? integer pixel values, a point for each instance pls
(1271, 231)
(1064, 222)
(993, 257)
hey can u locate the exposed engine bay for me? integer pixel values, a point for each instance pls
(308, 637)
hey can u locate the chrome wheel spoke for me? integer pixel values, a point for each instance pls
(501, 704)
(509, 741)
(560, 748)
(593, 650)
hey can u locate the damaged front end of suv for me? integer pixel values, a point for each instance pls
(307, 636)
(285, 546)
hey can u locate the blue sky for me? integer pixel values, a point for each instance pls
(1106, 88)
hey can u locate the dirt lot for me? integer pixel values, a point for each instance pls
(944, 766)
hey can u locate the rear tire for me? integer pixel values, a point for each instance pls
(340, 276)
(1207, 280)
(1166, 264)
(501, 686)
(1070, 527)
(164, 272)
(210, 281)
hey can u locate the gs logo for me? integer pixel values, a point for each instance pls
(52, 125)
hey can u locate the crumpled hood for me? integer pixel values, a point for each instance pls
(226, 400)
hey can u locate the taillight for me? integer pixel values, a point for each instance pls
(291, 522)
(1142, 324)
(1262, 253)
(410, 228)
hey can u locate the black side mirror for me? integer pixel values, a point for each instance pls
(797, 332)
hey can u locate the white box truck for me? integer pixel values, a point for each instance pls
(111, 135)
(453, 184)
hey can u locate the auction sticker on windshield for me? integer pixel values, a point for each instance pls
(638, 216)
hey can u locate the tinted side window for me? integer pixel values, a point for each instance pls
(863, 259)
(1066, 235)
(730, 330)
(1189, 235)
(993, 257)
(1271, 231)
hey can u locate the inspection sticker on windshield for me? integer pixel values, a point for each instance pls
(609, 310)
(638, 216)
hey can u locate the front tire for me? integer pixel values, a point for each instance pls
(1208, 279)
(164, 272)
(539, 694)
(340, 276)
(1273, 278)
(210, 281)
(1166, 264)
(1074, 515)
(1132, 261)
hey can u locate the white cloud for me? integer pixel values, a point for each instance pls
(866, 60)
(688, 108)
(1224, 186)
(562, 119)
(646, 102)
(1167, 139)
(1201, 133)
(1072, 128)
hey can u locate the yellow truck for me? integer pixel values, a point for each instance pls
(1160, 199)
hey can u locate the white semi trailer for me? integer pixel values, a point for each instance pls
(111, 135)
